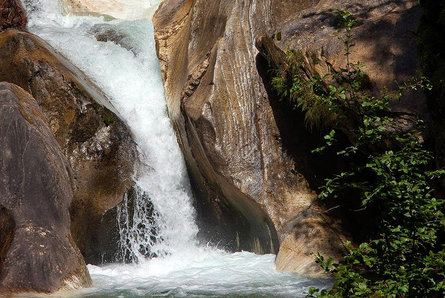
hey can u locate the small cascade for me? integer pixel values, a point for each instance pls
(138, 227)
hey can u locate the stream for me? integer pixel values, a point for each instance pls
(118, 55)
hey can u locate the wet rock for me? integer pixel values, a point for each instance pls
(119, 36)
(120, 9)
(12, 15)
(238, 145)
(38, 253)
(94, 139)
(115, 228)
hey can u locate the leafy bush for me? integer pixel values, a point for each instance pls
(404, 256)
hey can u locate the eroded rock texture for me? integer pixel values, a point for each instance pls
(97, 144)
(37, 252)
(233, 134)
(12, 15)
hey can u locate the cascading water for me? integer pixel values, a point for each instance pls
(128, 72)
(119, 56)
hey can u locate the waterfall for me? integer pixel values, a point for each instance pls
(132, 81)
(158, 219)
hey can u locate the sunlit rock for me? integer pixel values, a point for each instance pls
(233, 132)
(119, 9)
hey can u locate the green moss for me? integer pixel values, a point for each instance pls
(108, 117)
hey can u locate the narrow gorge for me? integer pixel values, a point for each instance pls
(146, 152)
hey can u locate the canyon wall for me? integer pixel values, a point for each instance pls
(239, 144)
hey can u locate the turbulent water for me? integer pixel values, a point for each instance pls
(119, 56)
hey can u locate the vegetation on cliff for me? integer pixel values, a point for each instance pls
(392, 174)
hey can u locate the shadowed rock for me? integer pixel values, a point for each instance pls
(384, 41)
(38, 253)
(12, 15)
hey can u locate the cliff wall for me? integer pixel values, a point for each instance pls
(233, 134)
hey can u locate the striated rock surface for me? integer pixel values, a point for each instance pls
(96, 142)
(37, 252)
(12, 15)
(233, 133)
(220, 107)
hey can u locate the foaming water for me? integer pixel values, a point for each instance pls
(126, 68)
(119, 56)
(206, 273)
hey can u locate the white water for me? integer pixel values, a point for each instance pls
(130, 76)
(128, 72)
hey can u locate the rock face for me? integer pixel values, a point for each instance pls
(389, 55)
(220, 109)
(232, 132)
(383, 40)
(12, 15)
(38, 253)
(97, 144)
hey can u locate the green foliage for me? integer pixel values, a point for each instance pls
(329, 99)
(303, 90)
(404, 257)
(77, 91)
(107, 116)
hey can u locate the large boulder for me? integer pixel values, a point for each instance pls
(94, 139)
(220, 111)
(37, 252)
(233, 133)
(12, 15)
